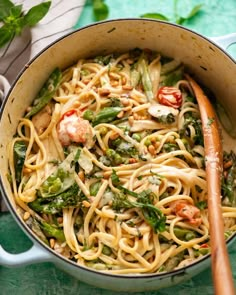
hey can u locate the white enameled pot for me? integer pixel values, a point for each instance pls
(202, 56)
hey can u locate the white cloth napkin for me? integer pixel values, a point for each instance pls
(60, 20)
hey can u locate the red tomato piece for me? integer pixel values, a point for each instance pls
(170, 96)
(204, 246)
(68, 114)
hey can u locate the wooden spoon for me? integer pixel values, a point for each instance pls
(221, 269)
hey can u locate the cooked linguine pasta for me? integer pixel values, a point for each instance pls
(108, 167)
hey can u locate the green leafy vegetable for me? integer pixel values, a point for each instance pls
(229, 180)
(52, 231)
(46, 93)
(144, 200)
(72, 197)
(103, 60)
(14, 20)
(178, 19)
(5, 9)
(60, 180)
(36, 13)
(20, 148)
(155, 16)
(100, 10)
(166, 119)
(202, 205)
(115, 178)
(126, 148)
(172, 77)
(94, 188)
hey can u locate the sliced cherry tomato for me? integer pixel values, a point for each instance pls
(204, 246)
(170, 96)
(68, 114)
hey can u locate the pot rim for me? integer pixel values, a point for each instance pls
(33, 236)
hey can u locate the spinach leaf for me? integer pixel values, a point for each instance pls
(19, 158)
(115, 178)
(94, 188)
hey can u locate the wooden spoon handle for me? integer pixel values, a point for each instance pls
(221, 269)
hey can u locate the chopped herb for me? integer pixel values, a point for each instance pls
(210, 121)
(202, 205)
(103, 60)
(94, 188)
(20, 148)
(166, 119)
(114, 178)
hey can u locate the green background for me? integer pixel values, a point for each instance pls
(216, 18)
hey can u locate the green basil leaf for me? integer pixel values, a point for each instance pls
(194, 11)
(5, 7)
(155, 16)
(16, 11)
(36, 13)
(100, 10)
(6, 34)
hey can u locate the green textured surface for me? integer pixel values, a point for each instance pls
(216, 18)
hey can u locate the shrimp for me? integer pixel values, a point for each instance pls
(187, 211)
(73, 128)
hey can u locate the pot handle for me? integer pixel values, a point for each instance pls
(35, 254)
(4, 87)
(225, 41)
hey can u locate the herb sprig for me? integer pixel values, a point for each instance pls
(15, 20)
(178, 19)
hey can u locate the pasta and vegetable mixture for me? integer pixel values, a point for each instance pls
(107, 165)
